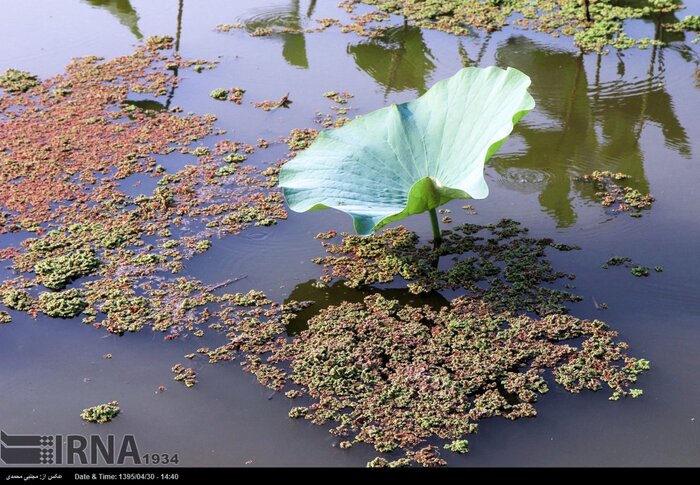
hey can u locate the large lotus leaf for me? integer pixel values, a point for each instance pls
(412, 157)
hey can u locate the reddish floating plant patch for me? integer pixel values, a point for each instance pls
(615, 196)
(394, 376)
(67, 146)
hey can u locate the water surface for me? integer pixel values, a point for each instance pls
(634, 112)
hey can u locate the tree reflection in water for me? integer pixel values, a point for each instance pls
(399, 60)
(123, 11)
(287, 25)
(582, 126)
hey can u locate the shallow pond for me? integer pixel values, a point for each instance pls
(633, 112)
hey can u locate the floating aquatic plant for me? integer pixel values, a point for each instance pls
(640, 271)
(237, 95)
(220, 94)
(17, 299)
(616, 261)
(137, 239)
(594, 25)
(86, 142)
(413, 157)
(15, 81)
(398, 376)
(497, 262)
(394, 376)
(55, 273)
(63, 304)
(102, 413)
(616, 197)
(187, 376)
(267, 105)
(636, 269)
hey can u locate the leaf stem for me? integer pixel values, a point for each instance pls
(437, 237)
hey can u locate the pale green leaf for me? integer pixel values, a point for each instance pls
(412, 157)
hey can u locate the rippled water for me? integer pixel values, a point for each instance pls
(635, 112)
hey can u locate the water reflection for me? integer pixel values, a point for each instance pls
(581, 126)
(337, 293)
(286, 24)
(153, 105)
(659, 19)
(399, 60)
(464, 57)
(146, 105)
(123, 11)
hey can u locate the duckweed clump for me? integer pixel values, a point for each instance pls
(338, 97)
(395, 376)
(252, 298)
(159, 42)
(200, 151)
(226, 171)
(127, 243)
(126, 313)
(380, 462)
(555, 17)
(62, 304)
(458, 446)
(5, 317)
(15, 81)
(617, 261)
(17, 299)
(219, 94)
(640, 271)
(497, 262)
(187, 376)
(690, 23)
(237, 95)
(234, 158)
(298, 412)
(617, 198)
(102, 413)
(55, 273)
(637, 270)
